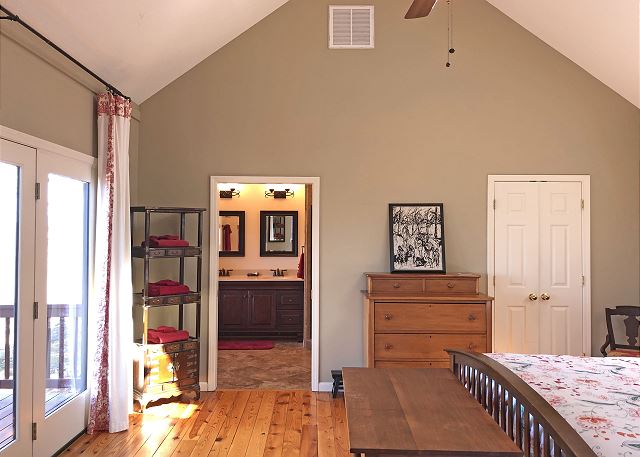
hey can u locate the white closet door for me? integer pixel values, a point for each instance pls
(516, 267)
(560, 297)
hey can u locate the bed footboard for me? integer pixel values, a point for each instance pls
(532, 423)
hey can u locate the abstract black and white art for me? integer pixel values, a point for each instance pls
(417, 237)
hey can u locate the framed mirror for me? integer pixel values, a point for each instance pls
(278, 234)
(231, 233)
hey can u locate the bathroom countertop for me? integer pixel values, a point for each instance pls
(259, 278)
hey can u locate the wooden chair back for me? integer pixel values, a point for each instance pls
(631, 323)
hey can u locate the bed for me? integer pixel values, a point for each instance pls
(558, 405)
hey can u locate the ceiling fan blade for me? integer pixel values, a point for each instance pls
(420, 8)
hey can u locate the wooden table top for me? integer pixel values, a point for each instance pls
(422, 411)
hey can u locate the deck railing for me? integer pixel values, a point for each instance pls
(60, 320)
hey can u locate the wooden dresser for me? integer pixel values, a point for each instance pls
(410, 319)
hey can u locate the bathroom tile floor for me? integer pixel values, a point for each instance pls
(286, 366)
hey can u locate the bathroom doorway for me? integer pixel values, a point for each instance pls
(264, 294)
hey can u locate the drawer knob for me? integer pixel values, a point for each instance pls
(451, 285)
(388, 346)
(387, 316)
(396, 285)
(471, 346)
(472, 317)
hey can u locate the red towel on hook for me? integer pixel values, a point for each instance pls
(301, 267)
(226, 237)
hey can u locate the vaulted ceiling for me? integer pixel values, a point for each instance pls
(140, 46)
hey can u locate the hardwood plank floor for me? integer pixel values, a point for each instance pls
(229, 423)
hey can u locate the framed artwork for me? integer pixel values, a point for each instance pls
(416, 238)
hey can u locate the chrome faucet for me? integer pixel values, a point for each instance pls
(223, 272)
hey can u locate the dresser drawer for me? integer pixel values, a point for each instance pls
(444, 318)
(289, 318)
(397, 286)
(424, 346)
(412, 364)
(440, 286)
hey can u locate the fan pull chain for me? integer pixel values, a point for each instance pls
(450, 48)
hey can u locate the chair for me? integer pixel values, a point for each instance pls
(631, 324)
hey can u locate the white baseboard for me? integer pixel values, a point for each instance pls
(325, 386)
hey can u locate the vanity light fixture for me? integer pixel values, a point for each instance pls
(278, 193)
(232, 192)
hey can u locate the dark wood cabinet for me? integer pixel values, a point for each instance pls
(265, 309)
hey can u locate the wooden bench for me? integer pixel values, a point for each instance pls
(418, 411)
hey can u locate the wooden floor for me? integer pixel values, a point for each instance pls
(231, 423)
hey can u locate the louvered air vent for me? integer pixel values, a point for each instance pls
(351, 27)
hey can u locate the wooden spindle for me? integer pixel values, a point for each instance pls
(527, 434)
(510, 416)
(518, 418)
(546, 450)
(536, 438)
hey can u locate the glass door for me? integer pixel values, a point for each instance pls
(17, 233)
(60, 392)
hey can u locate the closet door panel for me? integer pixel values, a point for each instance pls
(516, 267)
(561, 268)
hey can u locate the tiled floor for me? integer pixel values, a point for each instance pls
(285, 367)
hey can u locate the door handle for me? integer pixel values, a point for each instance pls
(533, 297)
(545, 296)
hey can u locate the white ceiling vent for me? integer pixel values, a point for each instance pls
(351, 27)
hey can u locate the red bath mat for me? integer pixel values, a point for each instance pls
(238, 345)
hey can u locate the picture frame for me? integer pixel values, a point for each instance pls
(416, 238)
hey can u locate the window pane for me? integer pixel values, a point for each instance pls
(67, 285)
(9, 200)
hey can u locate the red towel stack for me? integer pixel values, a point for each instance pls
(166, 335)
(301, 267)
(166, 241)
(167, 287)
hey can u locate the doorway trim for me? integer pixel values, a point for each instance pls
(585, 181)
(212, 344)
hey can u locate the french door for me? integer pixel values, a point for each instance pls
(538, 261)
(44, 292)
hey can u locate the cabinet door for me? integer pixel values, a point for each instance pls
(262, 309)
(185, 365)
(232, 309)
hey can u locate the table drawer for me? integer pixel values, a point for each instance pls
(397, 286)
(412, 364)
(424, 346)
(439, 286)
(467, 318)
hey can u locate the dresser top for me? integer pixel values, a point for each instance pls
(422, 275)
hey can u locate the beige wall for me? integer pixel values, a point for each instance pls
(394, 125)
(252, 201)
(46, 96)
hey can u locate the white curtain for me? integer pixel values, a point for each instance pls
(111, 389)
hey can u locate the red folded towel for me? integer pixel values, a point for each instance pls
(166, 287)
(166, 241)
(165, 336)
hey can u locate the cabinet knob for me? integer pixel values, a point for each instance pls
(388, 346)
(396, 285)
(472, 317)
(471, 346)
(387, 316)
(451, 285)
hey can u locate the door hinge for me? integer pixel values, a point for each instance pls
(583, 280)
(35, 309)
(34, 431)
(37, 191)
(494, 280)
(582, 204)
(494, 203)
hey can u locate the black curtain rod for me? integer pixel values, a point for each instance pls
(14, 17)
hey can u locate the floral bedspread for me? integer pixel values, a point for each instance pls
(599, 397)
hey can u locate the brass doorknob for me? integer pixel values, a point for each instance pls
(533, 297)
(545, 296)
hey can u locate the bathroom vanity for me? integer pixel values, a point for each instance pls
(264, 307)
